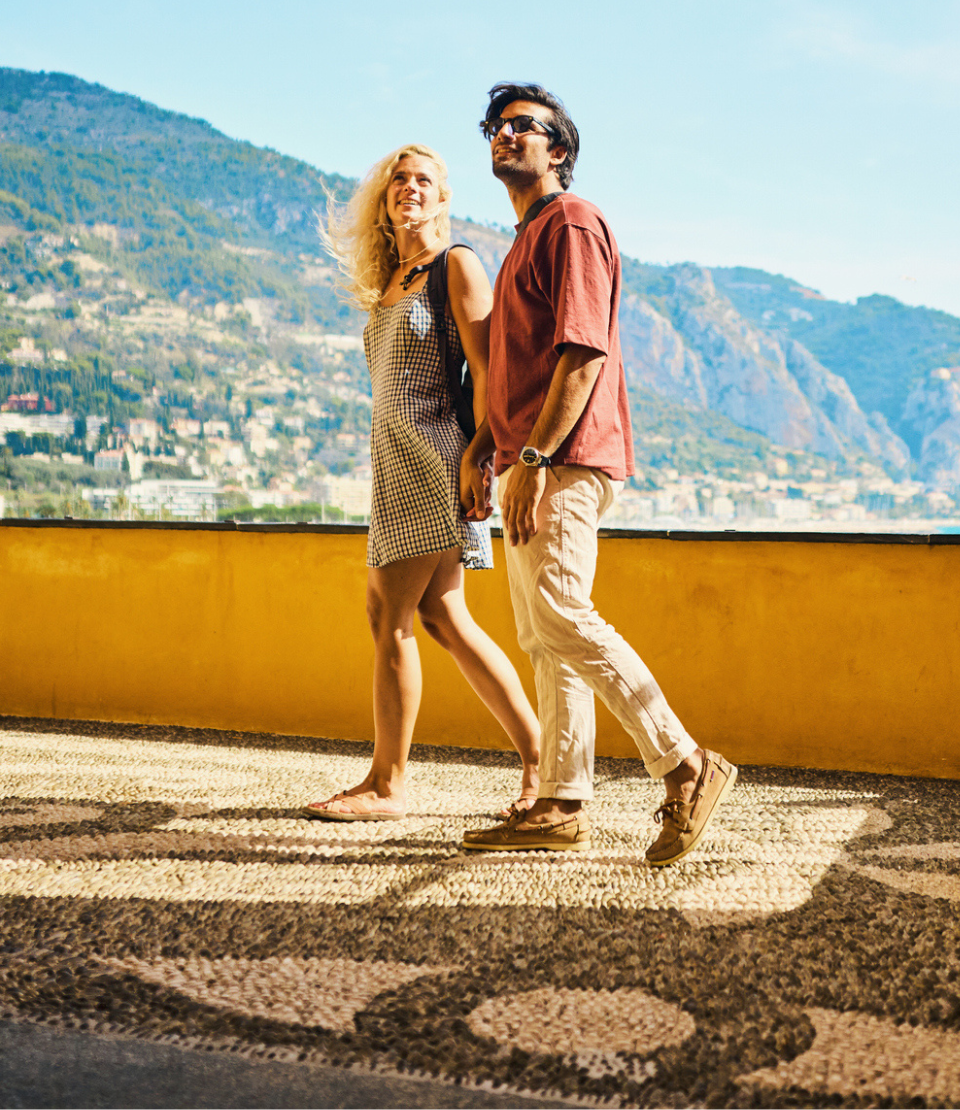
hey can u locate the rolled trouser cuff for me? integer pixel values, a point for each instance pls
(567, 792)
(672, 759)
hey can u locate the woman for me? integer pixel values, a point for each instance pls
(420, 539)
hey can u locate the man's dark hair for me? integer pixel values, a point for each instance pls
(505, 93)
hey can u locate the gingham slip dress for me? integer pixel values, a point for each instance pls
(416, 443)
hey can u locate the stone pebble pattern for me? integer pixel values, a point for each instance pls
(158, 882)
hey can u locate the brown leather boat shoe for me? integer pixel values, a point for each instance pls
(684, 823)
(572, 835)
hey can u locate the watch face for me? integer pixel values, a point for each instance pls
(530, 456)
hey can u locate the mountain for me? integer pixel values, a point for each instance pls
(158, 270)
(270, 198)
(932, 410)
(690, 344)
(880, 347)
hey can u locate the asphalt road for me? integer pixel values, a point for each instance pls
(44, 1067)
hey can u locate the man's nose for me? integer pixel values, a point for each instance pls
(506, 134)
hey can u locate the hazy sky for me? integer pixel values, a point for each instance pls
(814, 138)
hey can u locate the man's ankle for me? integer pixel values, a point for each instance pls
(557, 807)
(680, 781)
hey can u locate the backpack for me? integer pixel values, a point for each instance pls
(458, 374)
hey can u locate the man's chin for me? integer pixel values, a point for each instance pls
(510, 174)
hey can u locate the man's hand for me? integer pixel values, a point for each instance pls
(570, 388)
(476, 488)
(520, 500)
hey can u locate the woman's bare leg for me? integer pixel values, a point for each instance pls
(393, 593)
(445, 616)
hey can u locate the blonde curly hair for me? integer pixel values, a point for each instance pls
(360, 236)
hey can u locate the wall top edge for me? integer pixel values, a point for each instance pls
(727, 536)
(181, 526)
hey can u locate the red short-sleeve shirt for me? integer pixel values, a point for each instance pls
(560, 283)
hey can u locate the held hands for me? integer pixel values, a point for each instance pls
(519, 502)
(476, 488)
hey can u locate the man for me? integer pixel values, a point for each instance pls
(557, 415)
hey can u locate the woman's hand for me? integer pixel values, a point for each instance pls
(476, 488)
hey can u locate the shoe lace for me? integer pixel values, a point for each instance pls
(672, 808)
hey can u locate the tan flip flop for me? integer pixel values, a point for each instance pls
(358, 809)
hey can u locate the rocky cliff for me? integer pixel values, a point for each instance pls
(696, 348)
(932, 413)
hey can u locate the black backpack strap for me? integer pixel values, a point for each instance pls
(458, 378)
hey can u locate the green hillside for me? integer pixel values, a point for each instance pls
(693, 441)
(270, 198)
(165, 241)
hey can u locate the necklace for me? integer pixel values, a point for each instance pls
(404, 261)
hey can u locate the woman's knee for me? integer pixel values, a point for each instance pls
(437, 621)
(375, 610)
(385, 619)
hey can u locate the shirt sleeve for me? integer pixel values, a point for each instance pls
(578, 276)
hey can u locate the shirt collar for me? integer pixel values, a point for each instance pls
(536, 208)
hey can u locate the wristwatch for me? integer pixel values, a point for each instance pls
(533, 458)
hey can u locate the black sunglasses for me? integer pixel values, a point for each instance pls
(519, 125)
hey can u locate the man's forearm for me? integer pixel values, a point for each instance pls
(481, 447)
(573, 381)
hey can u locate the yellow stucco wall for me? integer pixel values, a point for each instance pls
(834, 655)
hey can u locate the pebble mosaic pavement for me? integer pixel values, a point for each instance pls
(159, 883)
